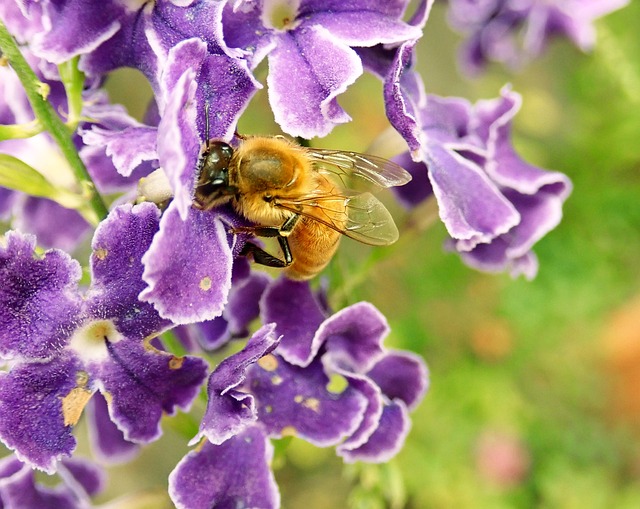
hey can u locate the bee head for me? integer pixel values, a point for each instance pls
(213, 179)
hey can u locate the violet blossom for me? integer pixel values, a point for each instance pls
(286, 382)
(313, 41)
(514, 31)
(494, 204)
(85, 344)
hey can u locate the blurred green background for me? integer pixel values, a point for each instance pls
(535, 386)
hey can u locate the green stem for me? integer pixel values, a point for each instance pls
(44, 112)
(73, 80)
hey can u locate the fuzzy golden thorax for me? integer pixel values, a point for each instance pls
(265, 169)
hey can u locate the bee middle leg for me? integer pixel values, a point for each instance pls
(281, 233)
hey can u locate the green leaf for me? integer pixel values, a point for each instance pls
(19, 176)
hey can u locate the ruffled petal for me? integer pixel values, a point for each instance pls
(188, 267)
(32, 420)
(107, 442)
(231, 475)
(32, 286)
(297, 314)
(142, 384)
(296, 401)
(323, 68)
(386, 441)
(116, 267)
(230, 410)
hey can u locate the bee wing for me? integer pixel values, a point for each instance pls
(361, 217)
(359, 172)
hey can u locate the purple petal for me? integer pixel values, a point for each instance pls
(7, 198)
(373, 412)
(188, 267)
(105, 175)
(295, 401)
(144, 383)
(404, 96)
(419, 188)
(386, 441)
(353, 337)
(244, 299)
(107, 442)
(297, 314)
(243, 28)
(503, 164)
(9, 465)
(323, 69)
(75, 29)
(363, 26)
(493, 258)
(31, 286)
(118, 247)
(83, 475)
(53, 225)
(226, 86)
(20, 490)
(232, 475)
(23, 21)
(471, 207)
(31, 415)
(178, 141)
(403, 376)
(209, 335)
(229, 411)
(128, 147)
(128, 47)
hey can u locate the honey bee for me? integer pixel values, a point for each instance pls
(304, 197)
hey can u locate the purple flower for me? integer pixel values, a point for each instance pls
(513, 31)
(312, 41)
(189, 263)
(290, 390)
(495, 205)
(80, 344)
(80, 480)
(326, 380)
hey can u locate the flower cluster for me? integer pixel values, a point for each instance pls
(513, 31)
(161, 270)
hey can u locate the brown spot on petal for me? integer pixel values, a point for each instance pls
(312, 404)
(101, 253)
(176, 362)
(289, 431)
(73, 404)
(268, 363)
(205, 283)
